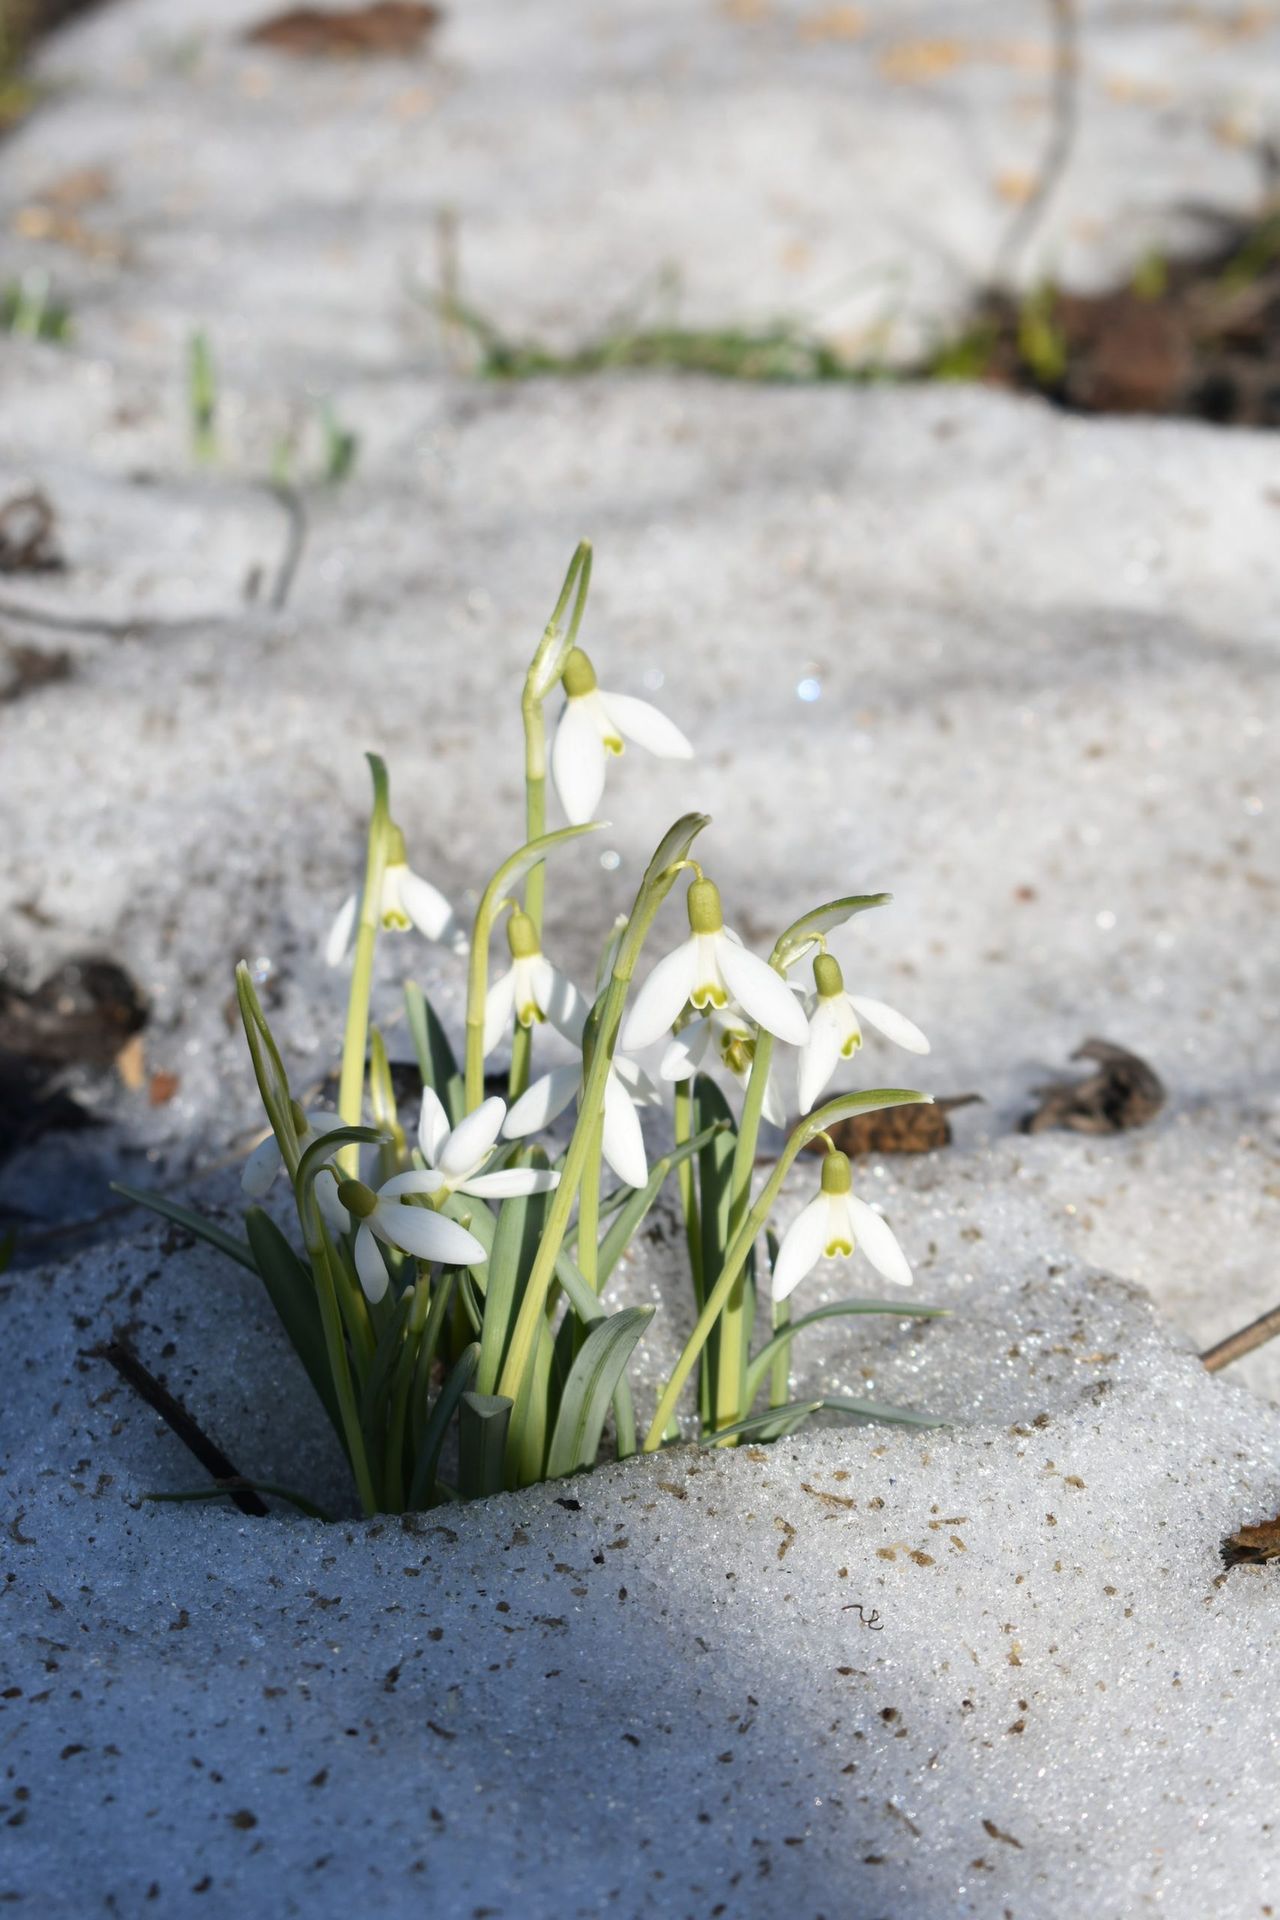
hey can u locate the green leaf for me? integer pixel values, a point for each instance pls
(290, 1285)
(377, 1383)
(323, 1149)
(521, 864)
(810, 928)
(675, 844)
(193, 1222)
(876, 1410)
(483, 1420)
(760, 1365)
(228, 1489)
(424, 1472)
(713, 1123)
(640, 1199)
(589, 1389)
(772, 1423)
(436, 1063)
(521, 1220)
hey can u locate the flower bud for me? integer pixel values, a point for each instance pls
(522, 936)
(836, 1176)
(706, 915)
(579, 675)
(358, 1199)
(827, 977)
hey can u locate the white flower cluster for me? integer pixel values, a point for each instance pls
(708, 998)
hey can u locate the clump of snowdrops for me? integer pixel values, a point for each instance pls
(449, 1301)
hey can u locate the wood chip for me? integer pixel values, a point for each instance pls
(386, 27)
(1124, 1092)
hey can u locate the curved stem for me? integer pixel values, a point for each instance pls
(355, 1039)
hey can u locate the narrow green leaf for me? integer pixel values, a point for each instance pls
(810, 928)
(772, 1423)
(483, 1420)
(228, 1489)
(377, 1383)
(193, 1222)
(424, 1472)
(521, 1220)
(876, 1410)
(589, 1389)
(436, 1063)
(291, 1287)
(759, 1366)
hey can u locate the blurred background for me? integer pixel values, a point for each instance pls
(914, 366)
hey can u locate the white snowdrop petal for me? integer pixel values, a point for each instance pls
(821, 1051)
(543, 1102)
(661, 999)
(428, 1235)
(511, 1180)
(578, 762)
(321, 1122)
(433, 1126)
(686, 1051)
(427, 907)
(498, 1005)
(370, 1265)
(560, 1000)
(803, 1245)
(762, 993)
(341, 936)
(877, 1241)
(472, 1139)
(261, 1168)
(644, 724)
(636, 1081)
(777, 1103)
(415, 1182)
(622, 1139)
(893, 1025)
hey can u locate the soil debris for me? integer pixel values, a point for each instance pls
(387, 27)
(1252, 1546)
(23, 669)
(913, 1129)
(1124, 1092)
(28, 530)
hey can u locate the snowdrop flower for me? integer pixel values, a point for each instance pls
(406, 900)
(834, 1032)
(737, 1046)
(592, 727)
(531, 988)
(454, 1159)
(414, 1230)
(627, 1087)
(834, 1224)
(266, 1163)
(709, 969)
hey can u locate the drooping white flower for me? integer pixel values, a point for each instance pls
(736, 1043)
(831, 1226)
(710, 969)
(419, 1231)
(455, 1158)
(266, 1163)
(627, 1087)
(532, 989)
(593, 726)
(406, 900)
(834, 1033)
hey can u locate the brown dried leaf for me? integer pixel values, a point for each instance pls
(384, 27)
(911, 1129)
(1252, 1546)
(1123, 1093)
(28, 535)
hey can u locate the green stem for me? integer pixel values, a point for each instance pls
(601, 1038)
(322, 1256)
(355, 1040)
(780, 1368)
(689, 1185)
(731, 1361)
(544, 672)
(589, 1211)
